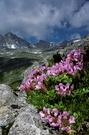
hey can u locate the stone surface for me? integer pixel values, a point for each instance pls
(6, 116)
(17, 117)
(6, 95)
(7, 99)
(0, 131)
(28, 122)
(9, 106)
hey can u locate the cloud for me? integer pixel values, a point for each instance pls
(37, 17)
(81, 17)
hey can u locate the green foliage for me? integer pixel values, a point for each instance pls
(61, 78)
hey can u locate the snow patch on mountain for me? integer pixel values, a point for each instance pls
(76, 40)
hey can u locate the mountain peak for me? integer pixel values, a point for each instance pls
(11, 41)
(9, 33)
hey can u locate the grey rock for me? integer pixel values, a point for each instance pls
(21, 119)
(21, 99)
(6, 116)
(9, 105)
(0, 131)
(6, 95)
(7, 98)
(28, 122)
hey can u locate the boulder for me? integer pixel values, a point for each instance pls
(6, 95)
(6, 116)
(28, 122)
(9, 107)
(0, 131)
(19, 118)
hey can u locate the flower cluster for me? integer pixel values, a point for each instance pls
(56, 119)
(72, 64)
(37, 78)
(64, 89)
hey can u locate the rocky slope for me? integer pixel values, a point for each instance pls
(82, 44)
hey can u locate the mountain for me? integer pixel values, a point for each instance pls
(82, 44)
(66, 43)
(42, 44)
(11, 41)
(48, 46)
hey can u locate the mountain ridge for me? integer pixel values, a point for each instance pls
(11, 41)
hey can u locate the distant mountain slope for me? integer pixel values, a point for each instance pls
(82, 44)
(11, 41)
(42, 45)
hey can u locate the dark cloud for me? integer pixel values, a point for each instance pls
(38, 17)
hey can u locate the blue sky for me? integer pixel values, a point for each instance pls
(50, 20)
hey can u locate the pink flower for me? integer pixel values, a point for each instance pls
(38, 86)
(21, 87)
(65, 115)
(43, 68)
(55, 111)
(63, 121)
(45, 114)
(64, 89)
(54, 120)
(67, 128)
(66, 122)
(71, 120)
